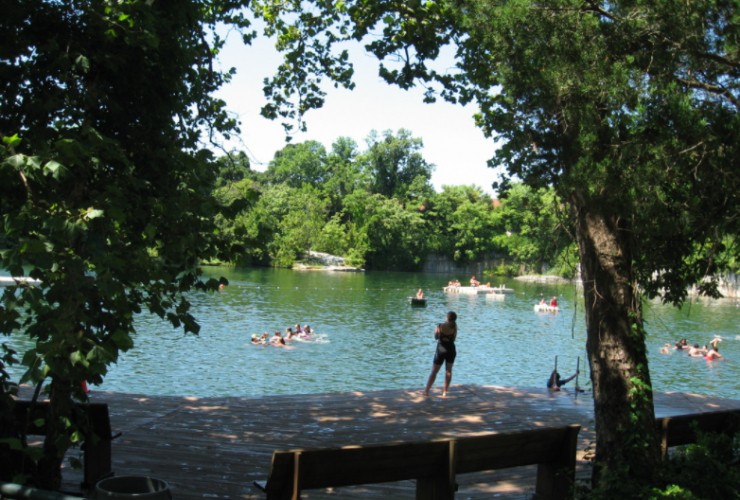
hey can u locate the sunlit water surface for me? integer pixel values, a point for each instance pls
(369, 338)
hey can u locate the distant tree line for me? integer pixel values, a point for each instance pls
(377, 208)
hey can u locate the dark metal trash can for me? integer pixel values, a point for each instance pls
(132, 488)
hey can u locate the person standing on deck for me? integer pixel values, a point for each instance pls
(445, 334)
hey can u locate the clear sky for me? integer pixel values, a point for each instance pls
(451, 141)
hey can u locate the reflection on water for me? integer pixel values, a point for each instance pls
(373, 339)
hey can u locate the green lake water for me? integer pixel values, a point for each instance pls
(370, 338)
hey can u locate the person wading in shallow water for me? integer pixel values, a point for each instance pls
(446, 333)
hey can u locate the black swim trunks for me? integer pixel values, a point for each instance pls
(445, 352)
(445, 348)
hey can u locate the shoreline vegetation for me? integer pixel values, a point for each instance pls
(338, 201)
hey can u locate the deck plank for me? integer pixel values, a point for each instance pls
(216, 447)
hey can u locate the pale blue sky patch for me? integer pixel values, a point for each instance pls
(451, 141)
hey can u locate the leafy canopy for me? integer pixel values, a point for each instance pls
(104, 189)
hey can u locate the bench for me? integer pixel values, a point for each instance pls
(433, 464)
(96, 452)
(681, 430)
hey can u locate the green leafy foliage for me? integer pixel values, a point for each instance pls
(310, 200)
(104, 190)
(463, 223)
(395, 163)
(536, 229)
(705, 470)
(708, 469)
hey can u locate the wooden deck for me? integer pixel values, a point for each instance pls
(216, 447)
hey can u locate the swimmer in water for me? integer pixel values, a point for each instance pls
(712, 354)
(555, 382)
(715, 343)
(262, 339)
(666, 349)
(682, 344)
(697, 352)
(276, 338)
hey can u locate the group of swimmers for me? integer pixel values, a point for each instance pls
(278, 340)
(709, 353)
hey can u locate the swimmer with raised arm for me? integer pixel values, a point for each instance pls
(697, 352)
(712, 354)
(555, 382)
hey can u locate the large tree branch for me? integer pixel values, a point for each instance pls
(712, 89)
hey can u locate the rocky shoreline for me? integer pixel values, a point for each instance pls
(546, 279)
(346, 269)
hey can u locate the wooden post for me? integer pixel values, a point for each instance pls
(447, 485)
(442, 485)
(296, 494)
(98, 463)
(555, 479)
(280, 484)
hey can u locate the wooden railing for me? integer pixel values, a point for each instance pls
(681, 430)
(433, 464)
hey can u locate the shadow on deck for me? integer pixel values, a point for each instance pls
(216, 447)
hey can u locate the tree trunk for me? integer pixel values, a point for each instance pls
(50, 466)
(626, 440)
